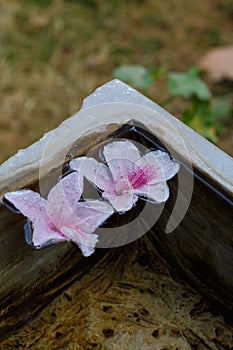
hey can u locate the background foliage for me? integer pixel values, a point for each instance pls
(202, 112)
(53, 53)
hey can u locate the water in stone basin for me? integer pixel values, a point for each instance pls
(200, 248)
(118, 220)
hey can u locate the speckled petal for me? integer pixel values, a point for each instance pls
(45, 234)
(86, 242)
(32, 206)
(63, 198)
(29, 203)
(95, 172)
(122, 202)
(121, 157)
(90, 214)
(160, 167)
(157, 192)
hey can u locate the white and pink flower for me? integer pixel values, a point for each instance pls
(128, 175)
(62, 217)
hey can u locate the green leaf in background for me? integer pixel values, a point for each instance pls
(157, 73)
(204, 114)
(222, 108)
(136, 75)
(199, 116)
(188, 85)
(201, 108)
(207, 131)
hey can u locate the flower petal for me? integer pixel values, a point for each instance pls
(32, 206)
(158, 192)
(95, 172)
(87, 217)
(29, 203)
(63, 198)
(86, 242)
(158, 166)
(91, 214)
(122, 202)
(44, 234)
(121, 157)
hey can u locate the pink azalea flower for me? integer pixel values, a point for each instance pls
(61, 217)
(128, 175)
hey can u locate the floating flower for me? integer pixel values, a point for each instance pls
(62, 217)
(128, 175)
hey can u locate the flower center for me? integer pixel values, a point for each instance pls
(140, 177)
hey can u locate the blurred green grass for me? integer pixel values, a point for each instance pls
(53, 53)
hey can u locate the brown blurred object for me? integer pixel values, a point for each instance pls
(218, 63)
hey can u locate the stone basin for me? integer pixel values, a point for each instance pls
(129, 288)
